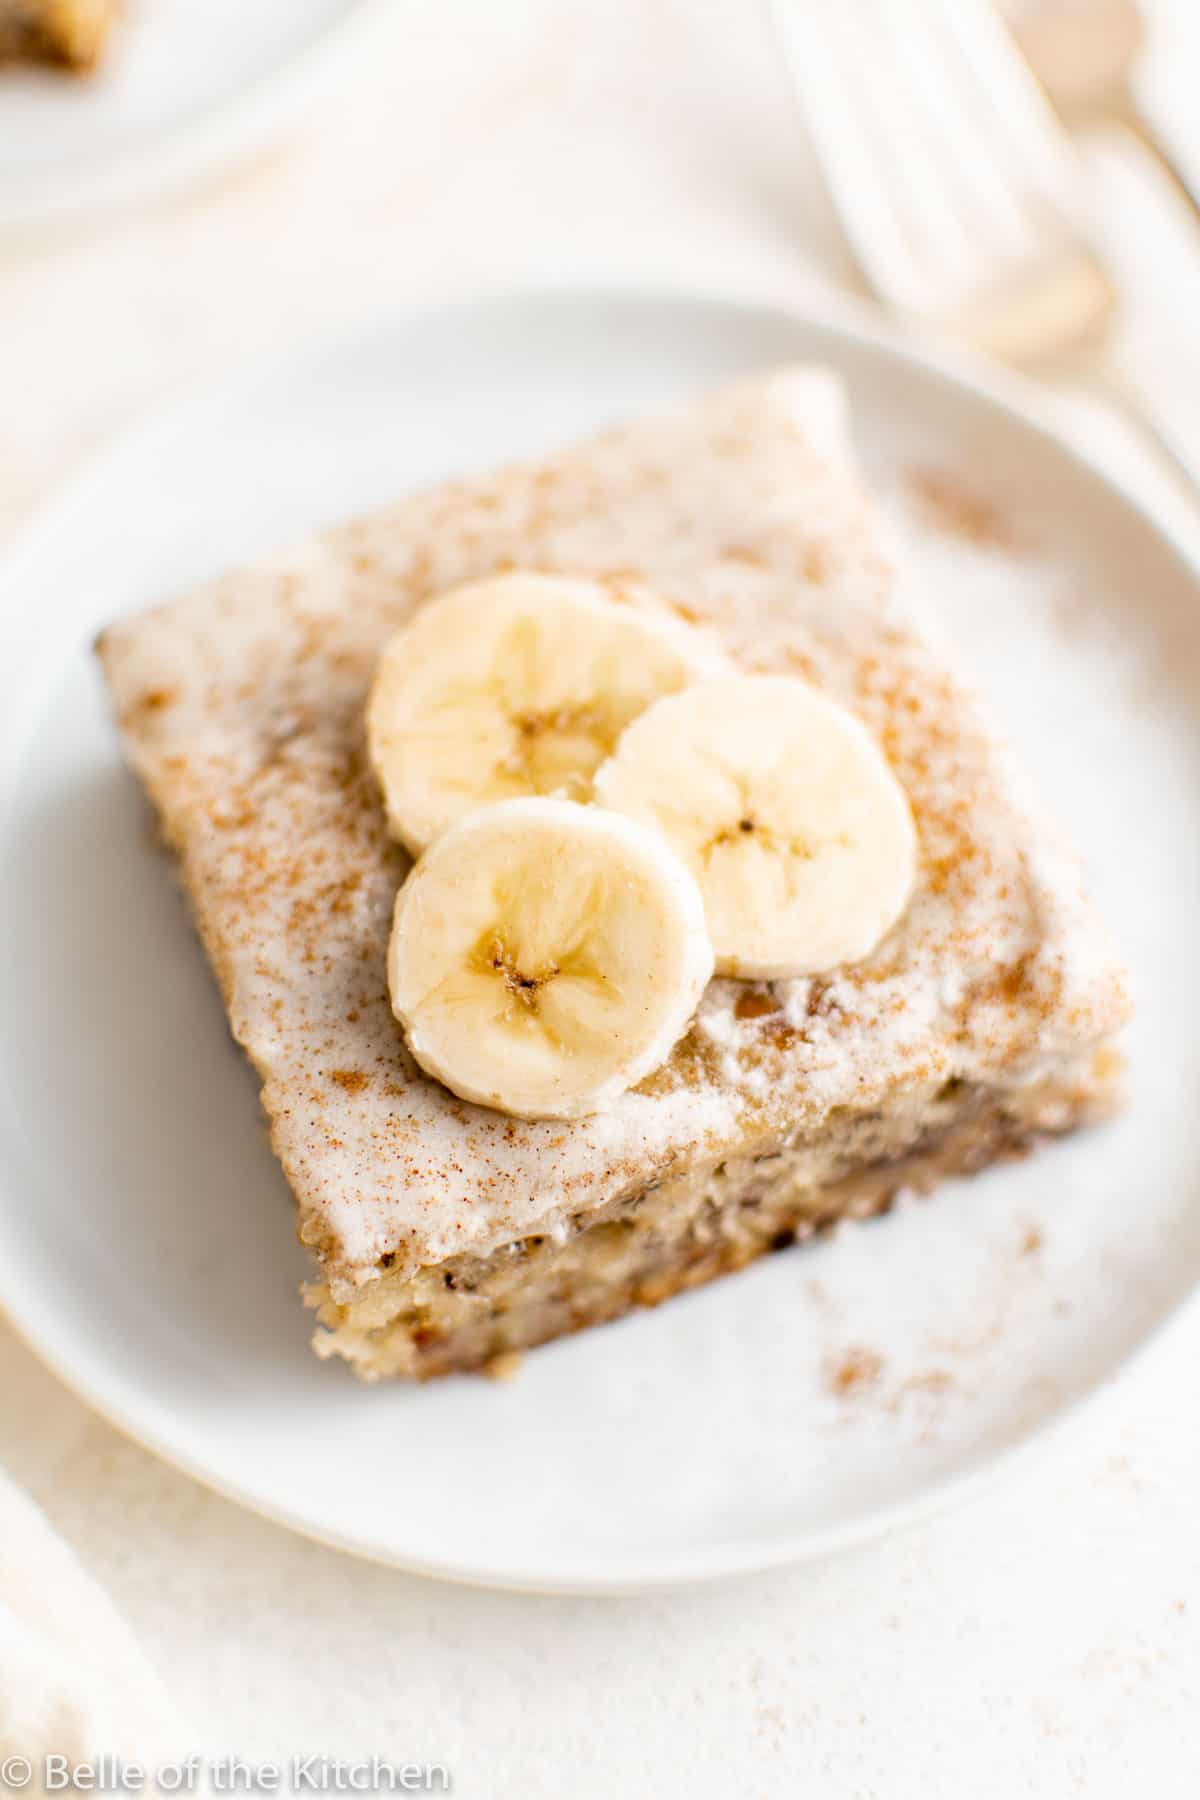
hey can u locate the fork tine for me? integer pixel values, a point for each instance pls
(942, 171)
(959, 215)
(995, 213)
(913, 155)
(1022, 115)
(820, 68)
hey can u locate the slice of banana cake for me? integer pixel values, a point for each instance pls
(448, 1233)
(72, 33)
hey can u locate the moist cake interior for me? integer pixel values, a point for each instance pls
(477, 1312)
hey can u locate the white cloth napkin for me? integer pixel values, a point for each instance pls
(73, 1682)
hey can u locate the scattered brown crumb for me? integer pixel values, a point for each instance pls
(856, 1369)
(958, 512)
(351, 1081)
(1032, 1242)
(931, 1381)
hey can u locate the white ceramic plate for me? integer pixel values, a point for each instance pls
(185, 85)
(146, 1242)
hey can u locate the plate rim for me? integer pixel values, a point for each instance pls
(177, 155)
(999, 390)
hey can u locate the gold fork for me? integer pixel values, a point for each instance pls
(961, 191)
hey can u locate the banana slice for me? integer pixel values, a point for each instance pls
(518, 685)
(546, 956)
(778, 800)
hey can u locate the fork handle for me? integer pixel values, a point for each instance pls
(1155, 142)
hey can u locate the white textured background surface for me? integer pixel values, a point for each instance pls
(1044, 1641)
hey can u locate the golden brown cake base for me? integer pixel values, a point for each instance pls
(470, 1312)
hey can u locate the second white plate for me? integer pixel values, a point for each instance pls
(146, 1237)
(184, 85)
